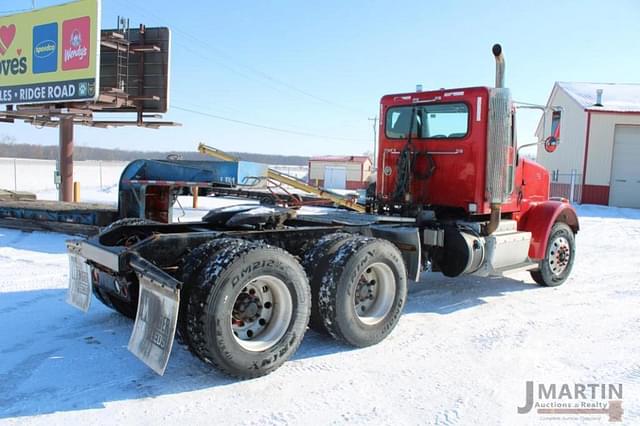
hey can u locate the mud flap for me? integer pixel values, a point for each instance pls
(155, 326)
(79, 291)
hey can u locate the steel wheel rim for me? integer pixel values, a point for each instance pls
(261, 314)
(559, 255)
(375, 293)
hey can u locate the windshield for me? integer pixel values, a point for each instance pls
(434, 121)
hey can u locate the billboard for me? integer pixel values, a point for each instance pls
(147, 69)
(50, 55)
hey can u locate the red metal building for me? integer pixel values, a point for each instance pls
(340, 172)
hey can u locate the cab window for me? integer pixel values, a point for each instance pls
(433, 121)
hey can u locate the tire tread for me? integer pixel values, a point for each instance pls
(204, 290)
(316, 263)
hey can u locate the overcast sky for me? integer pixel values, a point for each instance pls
(321, 67)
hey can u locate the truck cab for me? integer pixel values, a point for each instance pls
(449, 158)
(449, 155)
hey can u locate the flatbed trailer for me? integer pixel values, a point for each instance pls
(56, 216)
(149, 189)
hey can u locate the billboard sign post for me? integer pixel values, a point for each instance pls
(50, 55)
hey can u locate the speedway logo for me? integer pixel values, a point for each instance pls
(76, 35)
(45, 48)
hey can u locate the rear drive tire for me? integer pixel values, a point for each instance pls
(127, 221)
(123, 307)
(248, 309)
(189, 268)
(558, 261)
(128, 308)
(101, 295)
(362, 296)
(132, 237)
(316, 263)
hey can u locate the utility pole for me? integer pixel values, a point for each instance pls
(66, 159)
(375, 141)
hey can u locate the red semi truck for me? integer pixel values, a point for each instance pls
(241, 287)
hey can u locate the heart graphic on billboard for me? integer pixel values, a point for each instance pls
(19, 52)
(7, 33)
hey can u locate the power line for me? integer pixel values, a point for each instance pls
(226, 110)
(262, 126)
(207, 48)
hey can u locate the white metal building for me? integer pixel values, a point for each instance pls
(599, 141)
(334, 172)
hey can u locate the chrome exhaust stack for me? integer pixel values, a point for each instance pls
(500, 65)
(499, 138)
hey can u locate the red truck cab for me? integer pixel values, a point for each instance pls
(450, 145)
(449, 158)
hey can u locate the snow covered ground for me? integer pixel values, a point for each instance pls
(461, 353)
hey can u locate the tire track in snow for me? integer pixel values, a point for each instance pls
(18, 374)
(451, 416)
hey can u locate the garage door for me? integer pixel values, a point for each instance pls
(625, 170)
(335, 177)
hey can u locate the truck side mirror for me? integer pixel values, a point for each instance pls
(554, 138)
(551, 144)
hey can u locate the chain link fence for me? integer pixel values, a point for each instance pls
(22, 174)
(567, 185)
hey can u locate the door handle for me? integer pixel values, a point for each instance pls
(621, 180)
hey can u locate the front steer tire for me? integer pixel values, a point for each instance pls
(363, 294)
(222, 301)
(559, 257)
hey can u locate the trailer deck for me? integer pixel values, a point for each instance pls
(57, 216)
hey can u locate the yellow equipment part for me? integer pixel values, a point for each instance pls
(290, 180)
